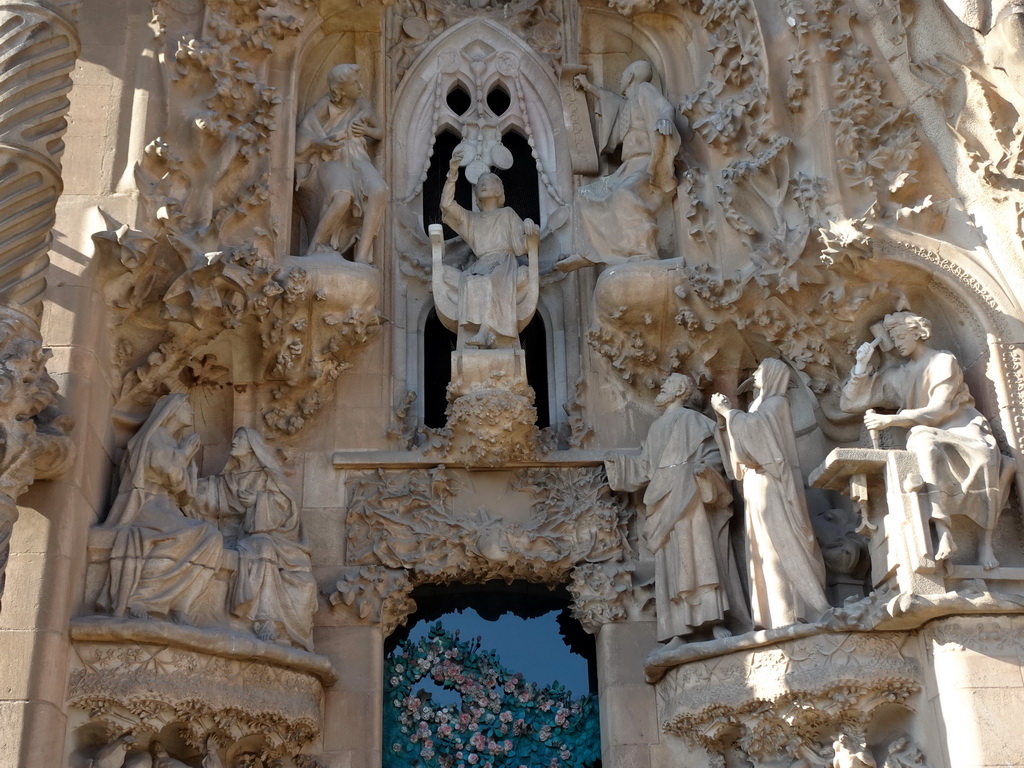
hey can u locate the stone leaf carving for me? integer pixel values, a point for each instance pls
(373, 594)
(34, 434)
(140, 689)
(781, 699)
(201, 263)
(404, 519)
(603, 593)
(40, 47)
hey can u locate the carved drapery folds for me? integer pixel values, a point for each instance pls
(34, 433)
(37, 54)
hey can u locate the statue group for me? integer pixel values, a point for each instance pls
(689, 503)
(174, 529)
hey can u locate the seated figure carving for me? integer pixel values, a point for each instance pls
(274, 588)
(341, 194)
(163, 557)
(618, 211)
(959, 463)
(491, 300)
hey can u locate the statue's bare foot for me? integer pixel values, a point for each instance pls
(264, 631)
(674, 644)
(572, 261)
(720, 632)
(137, 613)
(482, 339)
(180, 617)
(946, 547)
(987, 557)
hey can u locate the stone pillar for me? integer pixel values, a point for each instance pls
(37, 54)
(629, 722)
(978, 689)
(354, 706)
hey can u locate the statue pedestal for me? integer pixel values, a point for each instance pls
(491, 416)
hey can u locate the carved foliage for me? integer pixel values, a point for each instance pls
(776, 703)
(406, 520)
(141, 689)
(375, 595)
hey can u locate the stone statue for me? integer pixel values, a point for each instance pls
(274, 587)
(618, 212)
(904, 753)
(336, 182)
(490, 301)
(689, 506)
(34, 441)
(786, 572)
(850, 753)
(162, 558)
(958, 459)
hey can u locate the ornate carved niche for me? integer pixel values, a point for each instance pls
(487, 87)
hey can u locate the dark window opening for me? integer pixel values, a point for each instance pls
(438, 345)
(498, 100)
(522, 190)
(437, 172)
(459, 99)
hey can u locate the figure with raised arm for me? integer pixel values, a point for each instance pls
(958, 459)
(618, 212)
(785, 569)
(341, 194)
(493, 298)
(689, 506)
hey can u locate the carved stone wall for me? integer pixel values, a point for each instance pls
(276, 442)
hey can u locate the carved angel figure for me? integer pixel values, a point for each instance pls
(958, 458)
(337, 184)
(786, 572)
(274, 587)
(163, 557)
(689, 506)
(618, 212)
(491, 300)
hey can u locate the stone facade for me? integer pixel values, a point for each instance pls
(707, 314)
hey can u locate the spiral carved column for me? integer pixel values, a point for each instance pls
(38, 48)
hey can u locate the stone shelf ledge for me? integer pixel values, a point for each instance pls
(224, 643)
(413, 460)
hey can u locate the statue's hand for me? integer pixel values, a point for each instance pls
(248, 498)
(456, 160)
(530, 228)
(358, 128)
(664, 126)
(720, 403)
(581, 83)
(864, 353)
